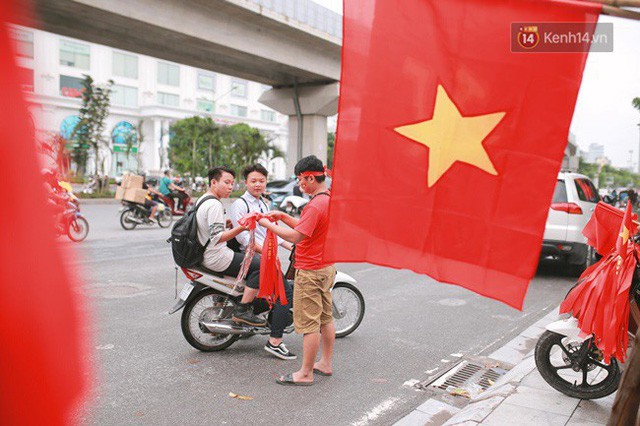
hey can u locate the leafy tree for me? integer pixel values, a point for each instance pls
(636, 103)
(331, 141)
(199, 144)
(90, 128)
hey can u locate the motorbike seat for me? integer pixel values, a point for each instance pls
(209, 271)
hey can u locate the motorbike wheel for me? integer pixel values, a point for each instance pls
(555, 367)
(126, 220)
(78, 229)
(165, 218)
(207, 305)
(348, 308)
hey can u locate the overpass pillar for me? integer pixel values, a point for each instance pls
(309, 110)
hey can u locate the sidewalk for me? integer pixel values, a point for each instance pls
(520, 397)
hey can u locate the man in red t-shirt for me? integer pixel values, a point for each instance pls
(312, 303)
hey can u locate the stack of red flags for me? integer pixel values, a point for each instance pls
(600, 301)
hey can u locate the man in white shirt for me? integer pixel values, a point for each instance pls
(255, 177)
(251, 201)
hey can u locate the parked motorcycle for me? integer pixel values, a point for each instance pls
(134, 214)
(293, 205)
(573, 364)
(209, 299)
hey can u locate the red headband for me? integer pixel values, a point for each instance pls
(326, 172)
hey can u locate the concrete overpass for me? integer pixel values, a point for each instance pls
(236, 37)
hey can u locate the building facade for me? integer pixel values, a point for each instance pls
(148, 94)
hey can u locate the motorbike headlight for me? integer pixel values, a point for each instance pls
(160, 207)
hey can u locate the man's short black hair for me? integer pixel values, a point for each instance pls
(216, 173)
(167, 172)
(310, 164)
(255, 168)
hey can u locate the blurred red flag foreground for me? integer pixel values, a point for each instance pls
(448, 143)
(42, 364)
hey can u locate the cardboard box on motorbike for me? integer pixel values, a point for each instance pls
(130, 189)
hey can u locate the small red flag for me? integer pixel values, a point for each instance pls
(43, 359)
(603, 228)
(448, 143)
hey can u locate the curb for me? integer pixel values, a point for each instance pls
(89, 201)
(483, 405)
(518, 352)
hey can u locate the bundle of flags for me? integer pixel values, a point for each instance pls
(271, 281)
(600, 300)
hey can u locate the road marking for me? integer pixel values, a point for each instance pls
(411, 383)
(377, 411)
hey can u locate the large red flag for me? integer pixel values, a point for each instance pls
(42, 364)
(448, 143)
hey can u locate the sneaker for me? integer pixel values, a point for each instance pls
(279, 351)
(243, 314)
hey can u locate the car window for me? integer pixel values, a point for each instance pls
(560, 194)
(587, 191)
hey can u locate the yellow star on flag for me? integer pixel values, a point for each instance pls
(624, 235)
(452, 137)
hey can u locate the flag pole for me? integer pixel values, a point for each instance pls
(614, 8)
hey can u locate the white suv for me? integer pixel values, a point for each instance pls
(574, 200)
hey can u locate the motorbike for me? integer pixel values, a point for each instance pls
(177, 208)
(134, 214)
(209, 298)
(71, 222)
(572, 364)
(293, 205)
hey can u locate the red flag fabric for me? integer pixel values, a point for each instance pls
(43, 363)
(271, 283)
(448, 143)
(600, 301)
(603, 227)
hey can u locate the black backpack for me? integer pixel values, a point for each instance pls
(186, 247)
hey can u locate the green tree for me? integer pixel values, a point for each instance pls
(90, 128)
(331, 142)
(199, 144)
(196, 145)
(636, 103)
(248, 145)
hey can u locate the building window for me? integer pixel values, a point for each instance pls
(26, 79)
(71, 87)
(23, 41)
(123, 136)
(240, 111)
(74, 54)
(123, 95)
(125, 65)
(266, 115)
(68, 126)
(205, 105)
(206, 82)
(168, 99)
(168, 74)
(239, 88)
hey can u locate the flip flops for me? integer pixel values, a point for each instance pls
(321, 373)
(288, 381)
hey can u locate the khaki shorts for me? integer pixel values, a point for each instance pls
(312, 302)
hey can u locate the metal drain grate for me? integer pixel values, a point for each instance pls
(482, 372)
(461, 376)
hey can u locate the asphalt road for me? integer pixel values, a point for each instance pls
(146, 373)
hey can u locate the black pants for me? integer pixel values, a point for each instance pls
(280, 315)
(181, 197)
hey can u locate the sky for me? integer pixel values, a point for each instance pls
(603, 113)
